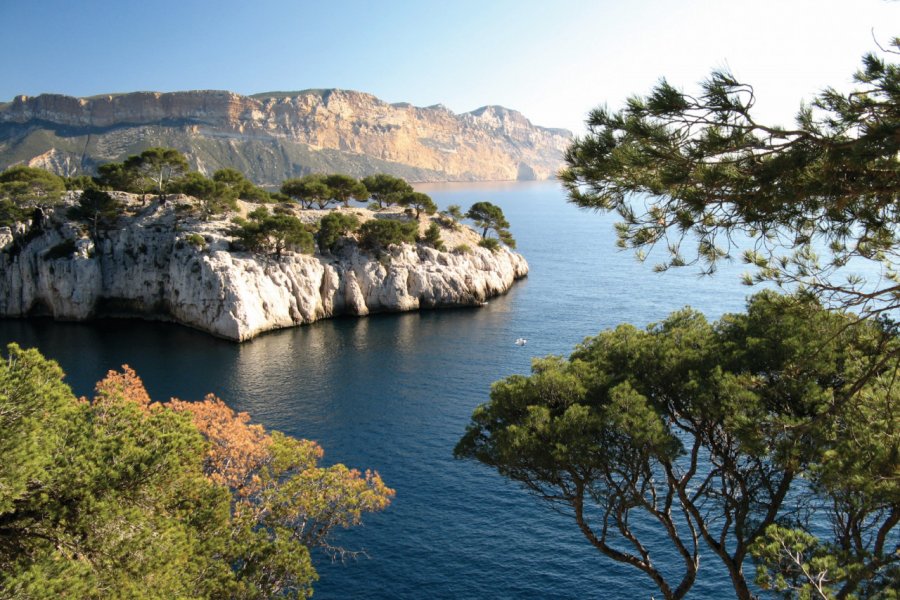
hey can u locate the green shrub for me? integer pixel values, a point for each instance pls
(11, 213)
(492, 244)
(98, 209)
(454, 212)
(378, 234)
(196, 240)
(463, 249)
(273, 233)
(275, 197)
(80, 182)
(28, 187)
(432, 237)
(333, 227)
(214, 197)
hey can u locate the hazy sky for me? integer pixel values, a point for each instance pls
(553, 60)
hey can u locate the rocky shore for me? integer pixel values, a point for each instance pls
(150, 265)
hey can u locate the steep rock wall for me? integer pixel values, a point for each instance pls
(147, 268)
(274, 136)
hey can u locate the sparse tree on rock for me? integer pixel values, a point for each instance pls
(273, 234)
(455, 212)
(118, 177)
(344, 187)
(158, 165)
(25, 192)
(333, 227)
(419, 202)
(489, 217)
(386, 190)
(432, 237)
(308, 190)
(378, 234)
(29, 187)
(99, 208)
(243, 187)
(215, 197)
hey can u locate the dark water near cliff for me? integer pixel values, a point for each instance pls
(394, 393)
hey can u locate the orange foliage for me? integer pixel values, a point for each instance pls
(237, 449)
(125, 386)
(275, 479)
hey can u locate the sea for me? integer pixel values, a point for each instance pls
(394, 393)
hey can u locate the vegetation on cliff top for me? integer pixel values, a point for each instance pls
(26, 192)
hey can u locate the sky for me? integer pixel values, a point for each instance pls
(552, 60)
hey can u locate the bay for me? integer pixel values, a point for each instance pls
(394, 393)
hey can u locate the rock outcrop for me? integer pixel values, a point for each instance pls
(150, 266)
(271, 137)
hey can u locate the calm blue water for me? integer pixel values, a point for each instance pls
(394, 393)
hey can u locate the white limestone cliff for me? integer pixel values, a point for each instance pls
(146, 267)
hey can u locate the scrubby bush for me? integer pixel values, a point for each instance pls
(279, 197)
(432, 237)
(378, 234)
(98, 208)
(80, 182)
(284, 208)
(11, 213)
(242, 187)
(215, 197)
(492, 244)
(462, 249)
(273, 233)
(196, 240)
(333, 227)
(455, 212)
(29, 187)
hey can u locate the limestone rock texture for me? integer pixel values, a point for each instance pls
(271, 137)
(147, 267)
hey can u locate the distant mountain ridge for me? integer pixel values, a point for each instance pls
(276, 135)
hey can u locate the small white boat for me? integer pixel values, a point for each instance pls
(521, 342)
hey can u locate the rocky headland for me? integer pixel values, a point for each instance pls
(153, 264)
(275, 136)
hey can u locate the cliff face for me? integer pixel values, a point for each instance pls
(146, 267)
(271, 137)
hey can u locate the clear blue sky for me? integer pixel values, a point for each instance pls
(553, 60)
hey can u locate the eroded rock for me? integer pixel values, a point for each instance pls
(144, 267)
